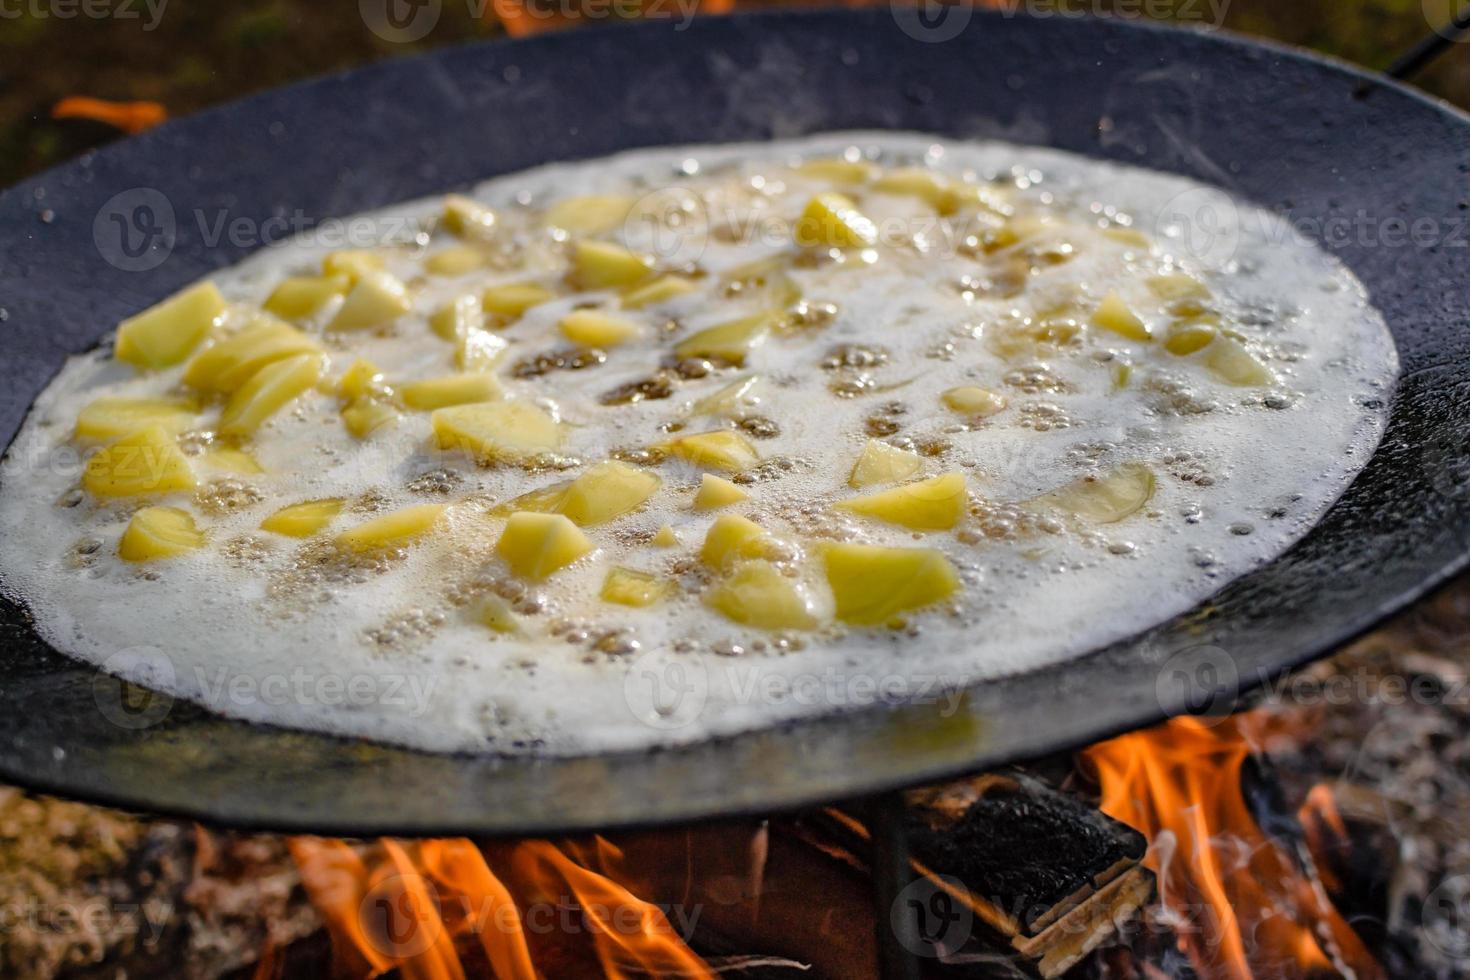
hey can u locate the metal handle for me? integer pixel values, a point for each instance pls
(1436, 44)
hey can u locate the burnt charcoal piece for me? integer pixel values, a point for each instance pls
(1026, 849)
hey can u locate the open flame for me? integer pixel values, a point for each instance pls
(1242, 902)
(447, 909)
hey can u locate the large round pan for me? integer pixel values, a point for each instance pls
(1289, 131)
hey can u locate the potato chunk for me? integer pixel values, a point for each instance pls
(466, 217)
(1230, 361)
(720, 450)
(973, 401)
(605, 492)
(630, 587)
(392, 530)
(364, 416)
(1187, 338)
(593, 328)
(728, 399)
(298, 297)
(1174, 286)
(304, 519)
(455, 261)
(728, 342)
(874, 585)
(536, 545)
(837, 170)
(603, 265)
(496, 430)
(1105, 499)
(1113, 314)
(882, 463)
(715, 492)
(268, 391)
(459, 315)
(376, 299)
(665, 537)
(454, 389)
(354, 263)
(730, 539)
(362, 379)
(159, 532)
(936, 504)
(757, 594)
(496, 613)
(223, 459)
(833, 220)
(661, 290)
(166, 333)
(591, 214)
(228, 364)
(147, 461)
(113, 418)
(479, 350)
(510, 301)
(926, 185)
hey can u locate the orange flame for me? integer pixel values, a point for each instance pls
(1240, 901)
(130, 117)
(420, 907)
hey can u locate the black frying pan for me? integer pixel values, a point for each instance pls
(1282, 128)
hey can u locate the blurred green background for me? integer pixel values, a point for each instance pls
(188, 56)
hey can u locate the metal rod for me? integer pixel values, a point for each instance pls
(1436, 44)
(897, 935)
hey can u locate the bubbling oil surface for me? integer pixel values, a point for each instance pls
(295, 633)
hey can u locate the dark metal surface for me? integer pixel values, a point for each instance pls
(1286, 130)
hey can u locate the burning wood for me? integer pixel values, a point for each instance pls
(1043, 873)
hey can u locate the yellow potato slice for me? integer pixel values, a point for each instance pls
(719, 450)
(882, 463)
(537, 545)
(1105, 499)
(936, 504)
(376, 299)
(591, 214)
(112, 418)
(873, 585)
(833, 220)
(228, 364)
(715, 492)
(630, 587)
(393, 530)
(364, 416)
(166, 333)
(479, 350)
(1174, 286)
(603, 265)
(226, 460)
(974, 401)
(665, 538)
(454, 389)
(354, 263)
(1187, 338)
(304, 519)
(1114, 314)
(466, 217)
(593, 328)
(454, 261)
(159, 532)
(728, 342)
(457, 317)
(362, 379)
(513, 300)
(1230, 361)
(505, 430)
(837, 170)
(605, 492)
(661, 290)
(298, 297)
(144, 462)
(757, 594)
(496, 613)
(268, 391)
(732, 538)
